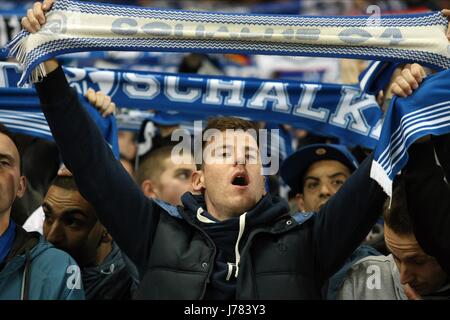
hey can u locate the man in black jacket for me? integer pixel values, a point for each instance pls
(315, 173)
(230, 240)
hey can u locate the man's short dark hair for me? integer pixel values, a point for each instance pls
(6, 132)
(152, 164)
(67, 183)
(397, 217)
(223, 124)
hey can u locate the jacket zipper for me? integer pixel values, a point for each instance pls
(211, 262)
(250, 238)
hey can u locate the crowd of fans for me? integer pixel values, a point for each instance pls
(75, 223)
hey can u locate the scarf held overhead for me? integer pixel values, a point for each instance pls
(425, 112)
(20, 112)
(81, 26)
(324, 109)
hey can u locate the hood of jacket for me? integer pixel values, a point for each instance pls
(267, 209)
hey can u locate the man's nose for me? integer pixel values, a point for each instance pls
(326, 190)
(240, 158)
(406, 276)
(55, 234)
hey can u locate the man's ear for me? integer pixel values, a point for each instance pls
(22, 187)
(106, 237)
(149, 188)
(198, 181)
(300, 201)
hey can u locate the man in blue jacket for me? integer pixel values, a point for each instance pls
(30, 267)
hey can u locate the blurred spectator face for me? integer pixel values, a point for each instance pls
(12, 184)
(419, 270)
(322, 180)
(175, 180)
(71, 225)
(231, 174)
(127, 145)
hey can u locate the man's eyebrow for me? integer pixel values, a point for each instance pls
(311, 178)
(70, 211)
(223, 146)
(334, 175)
(7, 156)
(228, 146)
(251, 148)
(75, 211)
(183, 170)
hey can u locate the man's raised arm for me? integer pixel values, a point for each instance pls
(128, 215)
(345, 220)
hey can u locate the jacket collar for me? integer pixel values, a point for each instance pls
(269, 208)
(24, 241)
(7, 240)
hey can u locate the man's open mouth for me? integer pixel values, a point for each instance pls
(240, 179)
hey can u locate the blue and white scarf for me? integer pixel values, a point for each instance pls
(323, 109)
(425, 112)
(20, 112)
(81, 26)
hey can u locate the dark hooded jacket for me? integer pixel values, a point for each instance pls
(113, 279)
